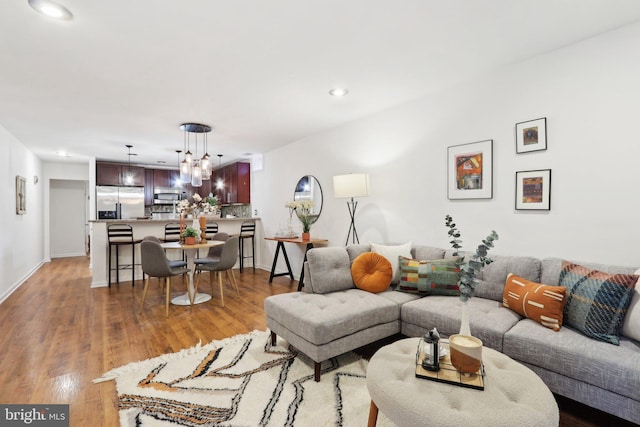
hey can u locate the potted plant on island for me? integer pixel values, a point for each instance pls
(190, 235)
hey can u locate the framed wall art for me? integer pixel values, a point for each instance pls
(533, 190)
(470, 170)
(21, 195)
(531, 136)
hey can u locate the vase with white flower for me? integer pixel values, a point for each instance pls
(304, 212)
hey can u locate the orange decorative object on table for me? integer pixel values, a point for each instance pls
(203, 222)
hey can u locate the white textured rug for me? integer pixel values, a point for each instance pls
(241, 381)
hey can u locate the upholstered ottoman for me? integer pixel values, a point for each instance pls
(513, 395)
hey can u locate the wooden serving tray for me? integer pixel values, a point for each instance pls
(449, 374)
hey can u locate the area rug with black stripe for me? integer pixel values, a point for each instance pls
(241, 381)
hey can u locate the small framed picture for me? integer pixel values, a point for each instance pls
(531, 136)
(533, 190)
(21, 195)
(470, 170)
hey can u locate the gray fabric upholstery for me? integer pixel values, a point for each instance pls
(574, 355)
(355, 250)
(228, 257)
(155, 262)
(322, 318)
(337, 347)
(488, 319)
(596, 397)
(331, 317)
(329, 269)
(213, 255)
(172, 263)
(427, 252)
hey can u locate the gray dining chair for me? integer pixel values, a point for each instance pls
(156, 264)
(228, 258)
(173, 263)
(213, 255)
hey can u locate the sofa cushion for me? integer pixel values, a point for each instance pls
(631, 324)
(371, 272)
(570, 353)
(392, 253)
(322, 318)
(429, 277)
(355, 250)
(329, 269)
(488, 319)
(427, 252)
(542, 303)
(596, 301)
(493, 276)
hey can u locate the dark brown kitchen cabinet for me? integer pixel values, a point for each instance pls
(232, 183)
(116, 174)
(165, 178)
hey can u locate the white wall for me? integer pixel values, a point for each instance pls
(21, 248)
(589, 93)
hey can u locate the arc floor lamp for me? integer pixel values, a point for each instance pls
(349, 187)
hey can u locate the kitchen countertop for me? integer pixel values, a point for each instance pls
(135, 220)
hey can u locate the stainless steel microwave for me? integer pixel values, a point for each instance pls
(167, 196)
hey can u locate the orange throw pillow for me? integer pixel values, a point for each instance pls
(371, 272)
(542, 303)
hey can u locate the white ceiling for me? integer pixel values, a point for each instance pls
(130, 71)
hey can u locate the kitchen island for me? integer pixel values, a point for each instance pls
(142, 228)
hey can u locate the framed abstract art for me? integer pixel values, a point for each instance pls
(533, 190)
(470, 170)
(531, 136)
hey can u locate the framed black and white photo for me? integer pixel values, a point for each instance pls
(533, 190)
(531, 136)
(470, 170)
(21, 195)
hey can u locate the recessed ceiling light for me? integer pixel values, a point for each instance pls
(338, 91)
(62, 153)
(51, 9)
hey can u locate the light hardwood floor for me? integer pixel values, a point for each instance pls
(58, 334)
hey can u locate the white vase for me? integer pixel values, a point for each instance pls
(464, 319)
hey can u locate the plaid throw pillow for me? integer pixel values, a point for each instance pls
(431, 277)
(596, 301)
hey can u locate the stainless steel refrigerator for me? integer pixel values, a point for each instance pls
(119, 202)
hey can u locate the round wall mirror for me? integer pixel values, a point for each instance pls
(308, 188)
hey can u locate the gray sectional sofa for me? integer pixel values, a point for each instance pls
(331, 316)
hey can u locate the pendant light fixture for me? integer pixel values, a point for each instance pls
(196, 168)
(185, 166)
(206, 161)
(191, 168)
(179, 181)
(219, 181)
(128, 177)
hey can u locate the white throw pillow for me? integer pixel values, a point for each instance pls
(631, 325)
(391, 253)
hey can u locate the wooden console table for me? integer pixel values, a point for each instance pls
(281, 241)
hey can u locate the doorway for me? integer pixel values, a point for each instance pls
(68, 218)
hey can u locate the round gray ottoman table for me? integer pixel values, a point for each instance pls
(513, 394)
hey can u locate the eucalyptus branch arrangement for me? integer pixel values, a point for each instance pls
(469, 268)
